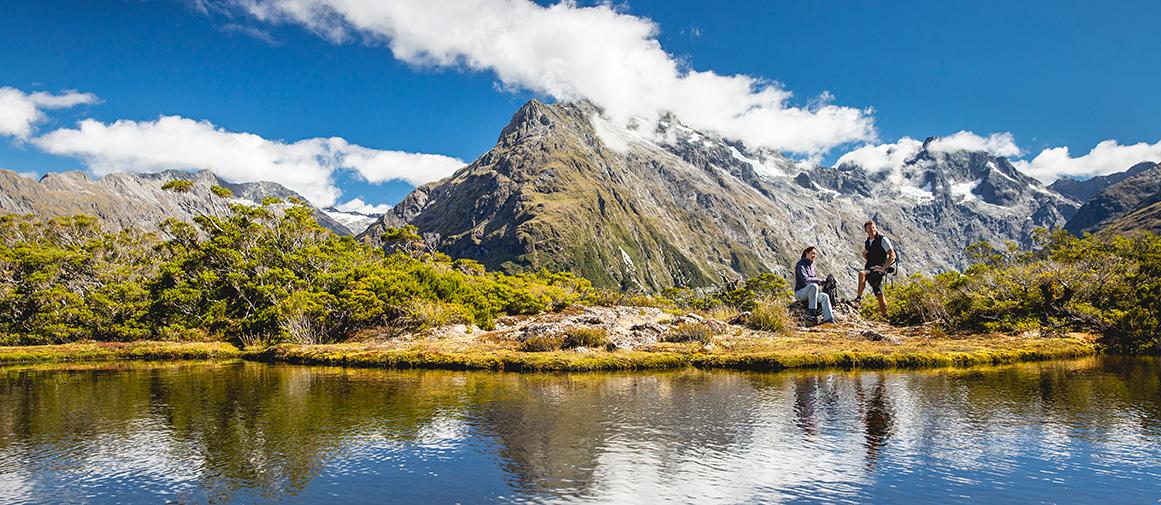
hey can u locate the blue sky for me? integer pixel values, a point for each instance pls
(1042, 82)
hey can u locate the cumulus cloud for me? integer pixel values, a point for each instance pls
(569, 53)
(21, 112)
(999, 144)
(377, 166)
(876, 158)
(174, 142)
(361, 207)
(1106, 158)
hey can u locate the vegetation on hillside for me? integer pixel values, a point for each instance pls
(1107, 285)
(262, 273)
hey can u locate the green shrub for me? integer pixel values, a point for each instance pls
(1109, 285)
(221, 192)
(268, 271)
(178, 186)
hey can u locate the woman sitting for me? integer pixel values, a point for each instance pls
(807, 285)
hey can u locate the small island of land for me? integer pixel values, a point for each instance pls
(583, 338)
(268, 284)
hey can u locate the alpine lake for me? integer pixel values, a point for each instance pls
(1069, 431)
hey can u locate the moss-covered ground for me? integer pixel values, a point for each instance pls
(737, 349)
(105, 351)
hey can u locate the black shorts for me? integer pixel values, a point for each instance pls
(875, 279)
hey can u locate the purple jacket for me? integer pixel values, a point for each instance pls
(804, 274)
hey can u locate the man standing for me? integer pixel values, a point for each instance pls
(879, 255)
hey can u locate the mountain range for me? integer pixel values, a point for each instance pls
(136, 201)
(652, 206)
(657, 204)
(1117, 201)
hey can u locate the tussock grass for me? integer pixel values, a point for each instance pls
(592, 338)
(718, 312)
(690, 332)
(500, 360)
(106, 351)
(770, 315)
(779, 355)
(431, 314)
(864, 360)
(541, 343)
(737, 351)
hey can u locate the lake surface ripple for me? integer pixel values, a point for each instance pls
(1079, 431)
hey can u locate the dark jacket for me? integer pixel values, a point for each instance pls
(804, 274)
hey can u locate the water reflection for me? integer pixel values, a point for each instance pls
(1074, 431)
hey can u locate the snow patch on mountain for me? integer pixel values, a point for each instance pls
(923, 194)
(352, 220)
(966, 190)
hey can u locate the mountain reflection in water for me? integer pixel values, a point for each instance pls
(1066, 431)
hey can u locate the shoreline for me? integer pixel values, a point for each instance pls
(770, 354)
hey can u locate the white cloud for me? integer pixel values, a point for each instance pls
(999, 144)
(361, 207)
(174, 142)
(20, 112)
(1106, 158)
(569, 53)
(876, 158)
(377, 166)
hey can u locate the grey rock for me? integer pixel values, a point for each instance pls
(875, 336)
(740, 319)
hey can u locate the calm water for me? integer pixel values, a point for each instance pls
(1085, 431)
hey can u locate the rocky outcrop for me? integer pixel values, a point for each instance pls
(1116, 201)
(127, 201)
(654, 206)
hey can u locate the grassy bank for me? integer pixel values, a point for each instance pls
(746, 353)
(741, 353)
(356, 355)
(108, 351)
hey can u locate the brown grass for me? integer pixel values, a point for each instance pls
(736, 348)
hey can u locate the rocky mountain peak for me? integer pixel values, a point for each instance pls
(532, 119)
(651, 204)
